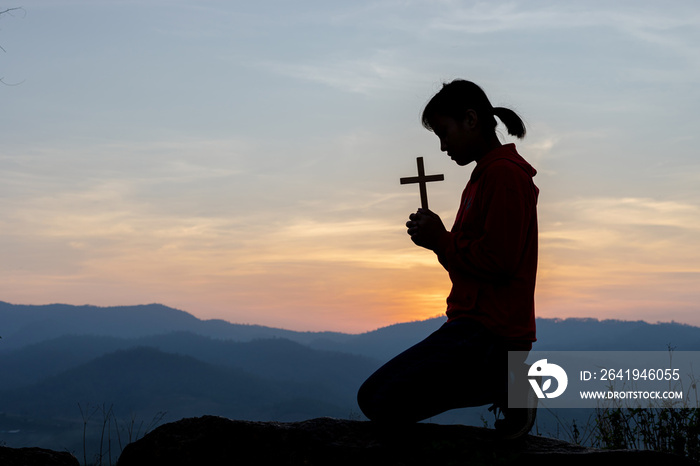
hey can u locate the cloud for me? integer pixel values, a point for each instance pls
(381, 70)
(639, 211)
(620, 254)
(647, 232)
(489, 17)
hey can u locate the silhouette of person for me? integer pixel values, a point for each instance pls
(490, 255)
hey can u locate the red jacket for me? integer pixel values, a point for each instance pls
(491, 251)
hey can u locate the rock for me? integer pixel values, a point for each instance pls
(35, 457)
(326, 441)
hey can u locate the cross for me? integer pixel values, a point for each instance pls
(422, 179)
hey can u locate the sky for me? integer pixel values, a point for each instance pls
(240, 160)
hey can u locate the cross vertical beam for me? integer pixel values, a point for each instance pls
(422, 179)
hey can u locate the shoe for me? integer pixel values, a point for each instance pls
(516, 422)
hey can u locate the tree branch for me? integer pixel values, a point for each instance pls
(11, 9)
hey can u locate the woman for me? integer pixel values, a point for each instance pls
(490, 255)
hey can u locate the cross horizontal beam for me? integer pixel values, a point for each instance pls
(422, 179)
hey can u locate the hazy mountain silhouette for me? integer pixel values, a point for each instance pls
(37, 361)
(614, 335)
(260, 380)
(144, 381)
(21, 325)
(279, 359)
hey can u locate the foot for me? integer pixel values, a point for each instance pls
(516, 422)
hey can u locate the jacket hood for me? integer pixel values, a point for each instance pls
(504, 152)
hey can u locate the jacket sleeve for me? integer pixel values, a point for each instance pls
(494, 250)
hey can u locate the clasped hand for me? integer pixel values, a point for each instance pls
(425, 228)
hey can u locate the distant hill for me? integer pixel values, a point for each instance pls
(143, 381)
(138, 383)
(614, 335)
(22, 325)
(276, 358)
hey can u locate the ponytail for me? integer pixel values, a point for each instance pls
(514, 124)
(458, 96)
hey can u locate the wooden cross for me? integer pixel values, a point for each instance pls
(422, 179)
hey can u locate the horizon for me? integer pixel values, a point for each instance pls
(302, 330)
(242, 159)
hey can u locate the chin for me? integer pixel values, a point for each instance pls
(461, 160)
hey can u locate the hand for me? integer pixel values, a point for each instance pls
(425, 228)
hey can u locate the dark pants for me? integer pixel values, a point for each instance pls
(461, 364)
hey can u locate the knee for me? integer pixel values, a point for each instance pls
(381, 405)
(367, 401)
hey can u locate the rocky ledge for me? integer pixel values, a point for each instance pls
(35, 456)
(326, 441)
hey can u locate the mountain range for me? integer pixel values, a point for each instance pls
(65, 367)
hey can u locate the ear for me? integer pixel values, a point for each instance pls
(471, 119)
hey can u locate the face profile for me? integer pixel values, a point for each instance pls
(456, 137)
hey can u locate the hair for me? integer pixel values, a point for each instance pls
(459, 96)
